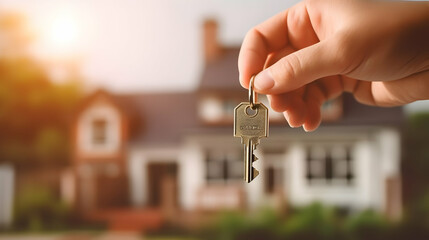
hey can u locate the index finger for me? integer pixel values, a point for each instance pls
(259, 42)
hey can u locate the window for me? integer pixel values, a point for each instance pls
(228, 107)
(217, 109)
(273, 179)
(332, 110)
(210, 109)
(222, 167)
(269, 180)
(274, 159)
(99, 131)
(329, 165)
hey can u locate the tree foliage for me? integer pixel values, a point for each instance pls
(416, 158)
(34, 112)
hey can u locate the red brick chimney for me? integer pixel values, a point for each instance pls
(212, 49)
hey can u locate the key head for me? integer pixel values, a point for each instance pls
(250, 123)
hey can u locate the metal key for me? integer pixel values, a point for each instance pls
(251, 124)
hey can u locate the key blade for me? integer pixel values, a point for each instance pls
(252, 174)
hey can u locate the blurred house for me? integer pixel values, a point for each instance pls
(174, 152)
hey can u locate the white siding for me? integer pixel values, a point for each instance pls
(7, 185)
(192, 174)
(365, 192)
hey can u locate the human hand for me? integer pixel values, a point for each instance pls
(314, 51)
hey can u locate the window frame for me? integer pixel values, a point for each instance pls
(99, 137)
(329, 163)
(227, 161)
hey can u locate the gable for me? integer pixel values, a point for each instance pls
(99, 127)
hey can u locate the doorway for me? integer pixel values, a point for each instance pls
(162, 185)
(274, 173)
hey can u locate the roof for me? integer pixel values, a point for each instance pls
(165, 118)
(222, 73)
(355, 113)
(161, 117)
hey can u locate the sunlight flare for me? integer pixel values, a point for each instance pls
(61, 34)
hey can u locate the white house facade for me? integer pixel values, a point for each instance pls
(361, 162)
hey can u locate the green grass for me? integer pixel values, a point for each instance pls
(169, 238)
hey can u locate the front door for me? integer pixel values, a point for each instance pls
(274, 173)
(162, 185)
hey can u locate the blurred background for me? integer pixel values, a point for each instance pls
(116, 123)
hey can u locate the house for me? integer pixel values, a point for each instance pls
(175, 151)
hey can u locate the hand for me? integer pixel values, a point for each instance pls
(314, 51)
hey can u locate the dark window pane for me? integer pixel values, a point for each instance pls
(214, 168)
(270, 180)
(350, 175)
(99, 128)
(328, 166)
(308, 162)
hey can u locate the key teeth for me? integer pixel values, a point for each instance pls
(255, 173)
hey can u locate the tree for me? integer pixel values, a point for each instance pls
(34, 112)
(416, 158)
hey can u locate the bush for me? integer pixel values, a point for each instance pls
(368, 225)
(237, 226)
(38, 209)
(311, 222)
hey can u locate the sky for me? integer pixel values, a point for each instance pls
(140, 45)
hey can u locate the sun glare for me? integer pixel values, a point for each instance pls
(61, 34)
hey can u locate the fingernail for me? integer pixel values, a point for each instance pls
(264, 80)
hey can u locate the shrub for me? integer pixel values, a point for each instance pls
(38, 209)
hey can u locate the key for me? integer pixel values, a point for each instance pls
(251, 124)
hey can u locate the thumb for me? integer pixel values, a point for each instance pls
(299, 68)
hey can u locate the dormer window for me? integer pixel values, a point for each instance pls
(332, 110)
(228, 107)
(217, 110)
(211, 110)
(99, 131)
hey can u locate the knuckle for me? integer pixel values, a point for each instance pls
(288, 68)
(347, 53)
(343, 51)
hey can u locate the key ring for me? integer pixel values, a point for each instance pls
(253, 96)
